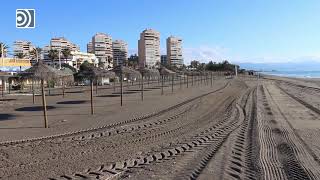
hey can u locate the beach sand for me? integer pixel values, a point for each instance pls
(240, 128)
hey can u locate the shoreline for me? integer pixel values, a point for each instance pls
(288, 75)
(298, 80)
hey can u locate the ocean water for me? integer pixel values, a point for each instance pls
(298, 74)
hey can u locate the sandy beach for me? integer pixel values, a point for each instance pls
(240, 128)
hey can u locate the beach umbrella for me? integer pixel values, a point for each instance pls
(93, 73)
(164, 72)
(167, 72)
(67, 77)
(150, 73)
(41, 71)
(123, 71)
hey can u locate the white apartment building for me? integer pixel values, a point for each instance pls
(58, 44)
(149, 48)
(89, 47)
(61, 43)
(174, 51)
(102, 48)
(77, 58)
(120, 52)
(23, 47)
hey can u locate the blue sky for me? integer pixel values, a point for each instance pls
(238, 30)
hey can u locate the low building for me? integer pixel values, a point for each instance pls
(4, 84)
(14, 65)
(77, 58)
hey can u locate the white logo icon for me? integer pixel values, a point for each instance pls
(25, 18)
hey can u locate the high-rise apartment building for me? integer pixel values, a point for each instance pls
(149, 48)
(174, 51)
(163, 59)
(102, 48)
(23, 47)
(89, 47)
(59, 44)
(120, 52)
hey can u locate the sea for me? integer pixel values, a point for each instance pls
(297, 74)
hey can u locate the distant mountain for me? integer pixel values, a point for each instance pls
(287, 66)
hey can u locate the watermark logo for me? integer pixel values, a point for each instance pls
(25, 18)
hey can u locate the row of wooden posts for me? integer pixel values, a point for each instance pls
(163, 78)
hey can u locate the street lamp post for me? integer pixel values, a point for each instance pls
(37, 57)
(2, 54)
(59, 58)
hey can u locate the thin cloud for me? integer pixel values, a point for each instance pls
(204, 54)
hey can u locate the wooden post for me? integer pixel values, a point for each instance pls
(211, 79)
(63, 88)
(128, 83)
(161, 84)
(172, 79)
(96, 85)
(192, 80)
(142, 86)
(114, 84)
(2, 87)
(49, 87)
(91, 96)
(44, 105)
(187, 80)
(121, 87)
(33, 96)
(206, 79)
(9, 87)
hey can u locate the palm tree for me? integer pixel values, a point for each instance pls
(36, 52)
(20, 55)
(39, 50)
(133, 61)
(66, 54)
(194, 64)
(3, 48)
(53, 54)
